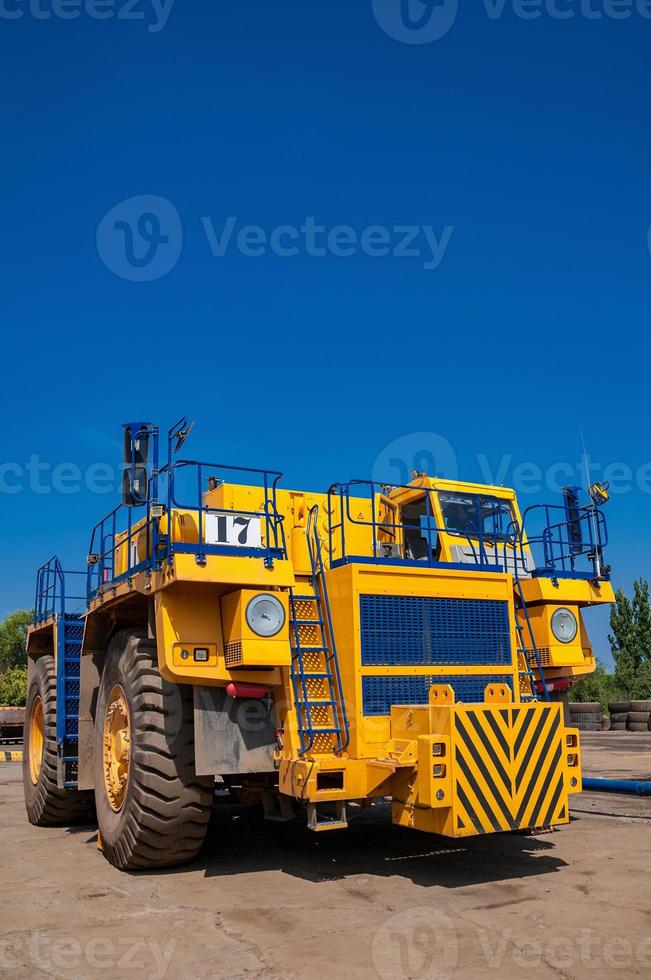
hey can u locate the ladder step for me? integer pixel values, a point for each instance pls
(307, 622)
(303, 649)
(320, 731)
(320, 704)
(319, 675)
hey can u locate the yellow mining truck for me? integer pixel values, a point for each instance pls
(310, 652)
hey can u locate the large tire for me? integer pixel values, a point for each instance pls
(640, 716)
(588, 722)
(618, 726)
(619, 716)
(619, 707)
(640, 706)
(46, 804)
(638, 726)
(161, 818)
(585, 707)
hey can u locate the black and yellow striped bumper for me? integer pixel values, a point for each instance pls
(485, 768)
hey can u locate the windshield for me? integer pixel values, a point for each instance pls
(473, 514)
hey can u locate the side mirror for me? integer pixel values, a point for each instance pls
(135, 485)
(136, 443)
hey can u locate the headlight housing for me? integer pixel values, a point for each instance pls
(265, 614)
(564, 625)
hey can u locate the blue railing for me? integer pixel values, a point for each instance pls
(383, 533)
(560, 546)
(119, 530)
(51, 598)
(136, 534)
(563, 546)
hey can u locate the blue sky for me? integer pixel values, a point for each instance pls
(515, 153)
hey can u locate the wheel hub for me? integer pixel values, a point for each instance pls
(36, 739)
(116, 747)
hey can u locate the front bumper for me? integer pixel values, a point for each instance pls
(484, 768)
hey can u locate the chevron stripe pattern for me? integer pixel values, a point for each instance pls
(509, 768)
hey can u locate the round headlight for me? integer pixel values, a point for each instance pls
(564, 625)
(265, 615)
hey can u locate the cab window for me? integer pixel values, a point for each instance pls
(472, 514)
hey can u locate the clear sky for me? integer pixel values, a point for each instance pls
(354, 223)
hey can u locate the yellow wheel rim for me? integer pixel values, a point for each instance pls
(36, 739)
(116, 754)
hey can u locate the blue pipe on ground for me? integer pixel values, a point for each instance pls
(639, 787)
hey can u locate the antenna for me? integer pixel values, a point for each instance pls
(592, 509)
(586, 460)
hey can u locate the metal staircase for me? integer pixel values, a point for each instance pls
(529, 652)
(70, 632)
(318, 698)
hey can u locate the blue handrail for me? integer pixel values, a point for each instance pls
(477, 540)
(124, 525)
(51, 598)
(557, 539)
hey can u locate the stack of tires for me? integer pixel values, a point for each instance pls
(618, 715)
(639, 716)
(586, 716)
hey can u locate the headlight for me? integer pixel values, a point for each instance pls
(265, 615)
(564, 625)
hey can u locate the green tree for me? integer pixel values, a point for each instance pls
(13, 639)
(622, 642)
(630, 641)
(598, 686)
(642, 620)
(13, 687)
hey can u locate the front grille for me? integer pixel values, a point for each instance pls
(545, 655)
(401, 630)
(379, 693)
(233, 654)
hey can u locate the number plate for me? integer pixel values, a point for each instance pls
(237, 530)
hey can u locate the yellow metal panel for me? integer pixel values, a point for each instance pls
(564, 591)
(188, 617)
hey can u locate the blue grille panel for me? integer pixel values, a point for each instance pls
(379, 693)
(397, 630)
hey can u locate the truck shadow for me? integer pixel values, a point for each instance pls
(240, 841)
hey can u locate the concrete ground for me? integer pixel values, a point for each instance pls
(273, 901)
